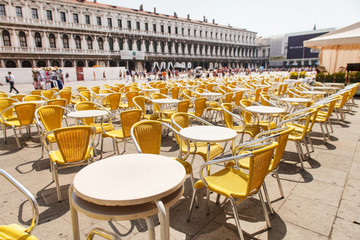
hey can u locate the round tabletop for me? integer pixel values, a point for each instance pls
(313, 92)
(129, 179)
(87, 114)
(299, 100)
(210, 94)
(265, 110)
(165, 101)
(236, 89)
(323, 88)
(208, 134)
(38, 102)
(150, 89)
(103, 94)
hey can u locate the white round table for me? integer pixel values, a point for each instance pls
(38, 102)
(314, 92)
(128, 180)
(165, 101)
(296, 100)
(208, 134)
(265, 110)
(87, 114)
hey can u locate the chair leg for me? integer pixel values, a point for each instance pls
(4, 131)
(236, 217)
(17, 139)
(268, 198)
(264, 209)
(311, 144)
(192, 185)
(192, 204)
(323, 133)
(299, 153)
(56, 176)
(327, 130)
(332, 130)
(101, 148)
(307, 147)
(276, 172)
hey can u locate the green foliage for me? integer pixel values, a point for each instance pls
(302, 74)
(339, 77)
(354, 77)
(293, 75)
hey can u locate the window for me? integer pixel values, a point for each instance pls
(52, 40)
(169, 29)
(206, 34)
(34, 13)
(76, 18)
(200, 33)
(162, 28)
(119, 23)
(211, 35)
(65, 41)
(162, 45)
(111, 44)
(154, 27)
(49, 15)
(129, 24)
(182, 31)
(146, 27)
(155, 46)
(138, 45)
(89, 42)
(101, 43)
(121, 43)
(22, 38)
(146, 46)
(38, 40)
(62, 17)
(194, 32)
(6, 38)
(87, 19)
(130, 44)
(109, 22)
(189, 32)
(2, 10)
(138, 25)
(78, 42)
(98, 21)
(176, 30)
(19, 12)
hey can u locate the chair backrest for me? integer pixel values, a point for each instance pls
(330, 109)
(228, 118)
(175, 92)
(258, 168)
(114, 100)
(18, 97)
(25, 112)
(66, 94)
(50, 116)
(86, 106)
(4, 104)
(128, 119)
(85, 95)
(130, 96)
(32, 98)
(3, 95)
(147, 135)
(238, 97)
(183, 106)
(246, 115)
(164, 90)
(73, 142)
(200, 105)
(139, 102)
(279, 151)
(95, 89)
(59, 101)
(36, 92)
(106, 91)
(48, 94)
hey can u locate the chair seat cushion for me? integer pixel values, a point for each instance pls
(227, 182)
(114, 134)
(56, 156)
(14, 231)
(201, 149)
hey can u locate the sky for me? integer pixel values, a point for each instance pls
(266, 17)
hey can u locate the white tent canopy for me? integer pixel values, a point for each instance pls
(338, 48)
(344, 36)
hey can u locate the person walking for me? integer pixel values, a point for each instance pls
(104, 76)
(12, 82)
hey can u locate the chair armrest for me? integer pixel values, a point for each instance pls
(28, 194)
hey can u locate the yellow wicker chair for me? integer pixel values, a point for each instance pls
(58, 101)
(183, 120)
(199, 107)
(6, 115)
(234, 183)
(128, 119)
(130, 102)
(49, 118)
(48, 94)
(25, 115)
(33, 98)
(75, 147)
(247, 116)
(18, 97)
(111, 102)
(140, 103)
(15, 231)
(251, 129)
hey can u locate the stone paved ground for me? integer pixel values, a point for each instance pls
(321, 202)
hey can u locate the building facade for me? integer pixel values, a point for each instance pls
(69, 33)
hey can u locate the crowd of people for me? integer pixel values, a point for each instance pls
(48, 77)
